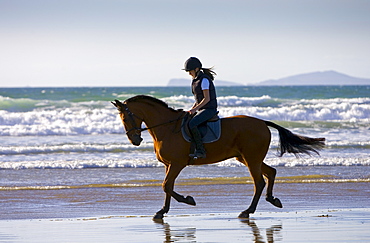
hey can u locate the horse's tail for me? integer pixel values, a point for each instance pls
(296, 144)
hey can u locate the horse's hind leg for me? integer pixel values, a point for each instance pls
(259, 184)
(270, 174)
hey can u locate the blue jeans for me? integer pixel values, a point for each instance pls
(201, 117)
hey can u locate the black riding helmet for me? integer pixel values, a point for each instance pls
(192, 63)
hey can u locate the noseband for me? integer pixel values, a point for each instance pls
(131, 120)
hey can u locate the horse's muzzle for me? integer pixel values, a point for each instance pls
(136, 140)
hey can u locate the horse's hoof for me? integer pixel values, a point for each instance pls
(274, 201)
(243, 215)
(190, 200)
(158, 217)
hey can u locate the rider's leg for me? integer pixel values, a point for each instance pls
(201, 117)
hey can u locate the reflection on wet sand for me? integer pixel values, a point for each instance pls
(270, 232)
(188, 234)
(185, 234)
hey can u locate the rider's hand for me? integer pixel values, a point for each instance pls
(192, 111)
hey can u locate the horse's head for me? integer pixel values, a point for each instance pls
(131, 122)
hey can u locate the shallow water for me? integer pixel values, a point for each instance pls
(137, 191)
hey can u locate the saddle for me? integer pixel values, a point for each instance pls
(210, 130)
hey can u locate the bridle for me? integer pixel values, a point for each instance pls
(131, 120)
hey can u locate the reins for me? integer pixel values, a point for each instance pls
(131, 115)
(161, 124)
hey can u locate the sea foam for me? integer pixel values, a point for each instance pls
(81, 118)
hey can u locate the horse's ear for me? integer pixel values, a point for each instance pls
(114, 104)
(118, 104)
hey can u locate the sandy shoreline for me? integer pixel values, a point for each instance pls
(136, 201)
(313, 212)
(342, 225)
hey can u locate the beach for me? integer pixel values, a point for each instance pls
(313, 212)
(69, 174)
(307, 226)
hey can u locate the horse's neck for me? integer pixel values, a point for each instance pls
(159, 117)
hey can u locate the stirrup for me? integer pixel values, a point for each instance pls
(198, 155)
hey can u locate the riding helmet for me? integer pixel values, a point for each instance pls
(192, 63)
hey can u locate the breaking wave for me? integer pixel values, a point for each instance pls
(26, 117)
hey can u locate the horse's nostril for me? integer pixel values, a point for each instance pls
(136, 140)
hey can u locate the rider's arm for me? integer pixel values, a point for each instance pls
(205, 100)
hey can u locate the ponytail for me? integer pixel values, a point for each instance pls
(209, 72)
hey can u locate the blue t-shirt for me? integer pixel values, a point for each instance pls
(205, 84)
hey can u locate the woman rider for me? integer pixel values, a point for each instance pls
(205, 106)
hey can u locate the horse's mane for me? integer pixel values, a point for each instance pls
(150, 98)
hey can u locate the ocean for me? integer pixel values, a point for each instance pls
(72, 138)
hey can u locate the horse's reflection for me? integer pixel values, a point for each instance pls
(270, 232)
(188, 234)
(183, 235)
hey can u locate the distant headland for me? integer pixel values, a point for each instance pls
(314, 78)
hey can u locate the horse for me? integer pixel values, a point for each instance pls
(243, 137)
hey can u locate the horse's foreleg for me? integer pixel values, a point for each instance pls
(270, 174)
(165, 209)
(167, 202)
(168, 185)
(259, 184)
(172, 171)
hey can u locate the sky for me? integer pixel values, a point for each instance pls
(48, 43)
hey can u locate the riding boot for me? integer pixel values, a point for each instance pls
(200, 152)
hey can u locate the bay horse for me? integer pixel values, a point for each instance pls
(245, 138)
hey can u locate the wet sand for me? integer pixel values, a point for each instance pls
(344, 225)
(313, 212)
(146, 200)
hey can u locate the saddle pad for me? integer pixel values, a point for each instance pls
(211, 131)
